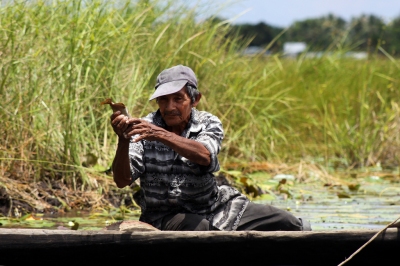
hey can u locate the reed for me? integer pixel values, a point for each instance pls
(60, 59)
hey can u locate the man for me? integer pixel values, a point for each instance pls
(174, 153)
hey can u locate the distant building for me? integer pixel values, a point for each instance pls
(354, 55)
(357, 55)
(293, 49)
(317, 54)
(254, 50)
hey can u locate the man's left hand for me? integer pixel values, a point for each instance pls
(143, 129)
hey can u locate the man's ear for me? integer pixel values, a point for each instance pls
(196, 102)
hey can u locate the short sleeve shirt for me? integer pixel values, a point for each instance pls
(171, 183)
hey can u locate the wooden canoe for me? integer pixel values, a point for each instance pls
(100, 247)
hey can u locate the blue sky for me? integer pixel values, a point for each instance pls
(284, 12)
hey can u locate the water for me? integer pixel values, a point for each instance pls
(347, 214)
(82, 220)
(373, 206)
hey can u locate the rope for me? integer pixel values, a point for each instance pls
(369, 241)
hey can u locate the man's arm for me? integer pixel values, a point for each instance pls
(190, 149)
(121, 165)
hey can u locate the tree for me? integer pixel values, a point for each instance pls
(260, 34)
(391, 38)
(367, 31)
(318, 33)
(364, 33)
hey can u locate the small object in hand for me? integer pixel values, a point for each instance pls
(116, 106)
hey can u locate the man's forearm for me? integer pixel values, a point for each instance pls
(192, 150)
(121, 165)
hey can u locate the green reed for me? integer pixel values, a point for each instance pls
(60, 59)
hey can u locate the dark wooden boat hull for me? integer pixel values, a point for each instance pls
(63, 247)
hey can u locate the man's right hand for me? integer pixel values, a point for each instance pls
(119, 124)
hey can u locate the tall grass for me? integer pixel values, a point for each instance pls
(60, 59)
(353, 111)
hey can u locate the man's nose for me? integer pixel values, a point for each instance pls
(170, 105)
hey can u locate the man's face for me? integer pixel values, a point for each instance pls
(175, 108)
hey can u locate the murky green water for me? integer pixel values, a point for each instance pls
(334, 214)
(373, 206)
(82, 220)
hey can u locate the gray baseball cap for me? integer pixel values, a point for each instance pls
(173, 79)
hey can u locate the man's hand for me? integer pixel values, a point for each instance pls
(143, 129)
(120, 124)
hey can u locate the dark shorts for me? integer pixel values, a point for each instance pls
(257, 217)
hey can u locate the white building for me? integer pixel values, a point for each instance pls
(293, 49)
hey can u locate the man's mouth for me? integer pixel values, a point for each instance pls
(172, 114)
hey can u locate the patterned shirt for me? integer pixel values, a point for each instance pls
(171, 183)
